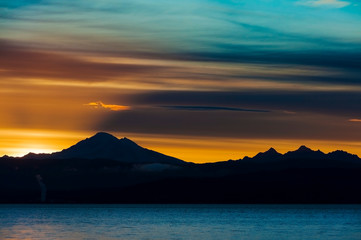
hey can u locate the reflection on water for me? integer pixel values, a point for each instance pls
(180, 222)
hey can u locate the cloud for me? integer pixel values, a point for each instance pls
(317, 58)
(174, 71)
(66, 67)
(112, 107)
(336, 103)
(354, 120)
(233, 124)
(139, 26)
(212, 108)
(324, 3)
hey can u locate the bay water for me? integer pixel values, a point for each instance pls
(168, 222)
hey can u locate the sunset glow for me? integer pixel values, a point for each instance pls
(194, 149)
(202, 81)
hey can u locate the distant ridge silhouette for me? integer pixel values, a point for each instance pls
(105, 169)
(103, 145)
(304, 155)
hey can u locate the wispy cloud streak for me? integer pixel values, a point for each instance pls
(212, 108)
(325, 3)
(354, 120)
(112, 107)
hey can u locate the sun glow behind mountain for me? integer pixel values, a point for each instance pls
(20, 152)
(198, 150)
(19, 142)
(199, 80)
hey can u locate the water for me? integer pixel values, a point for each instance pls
(167, 222)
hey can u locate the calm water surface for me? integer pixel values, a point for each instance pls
(168, 222)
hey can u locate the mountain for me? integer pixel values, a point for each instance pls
(304, 152)
(339, 154)
(268, 156)
(105, 169)
(105, 146)
(303, 157)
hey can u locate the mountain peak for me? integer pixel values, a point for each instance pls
(303, 148)
(271, 151)
(270, 155)
(305, 153)
(127, 141)
(103, 136)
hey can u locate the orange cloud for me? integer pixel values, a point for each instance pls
(354, 120)
(112, 107)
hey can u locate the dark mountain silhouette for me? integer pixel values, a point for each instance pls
(304, 157)
(106, 146)
(268, 156)
(347, 157)
(305, 152)
(104, 169)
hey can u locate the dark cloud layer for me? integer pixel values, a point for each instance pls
(26, 62)
(233, 124)
(338, 103)
(348, 59)
(212, 108)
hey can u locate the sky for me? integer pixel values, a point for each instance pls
(200, 80)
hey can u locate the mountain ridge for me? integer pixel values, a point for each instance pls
(139, 175)
(302, 153)
(106, 146)
(103, 145)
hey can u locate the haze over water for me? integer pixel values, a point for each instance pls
(180, 222)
